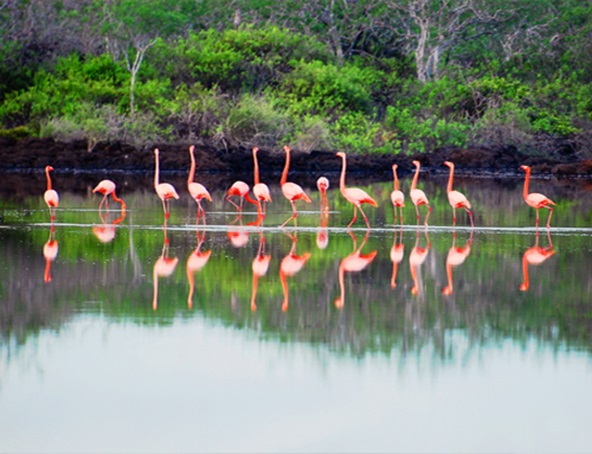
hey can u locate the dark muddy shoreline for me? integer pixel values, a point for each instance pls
(221, 167)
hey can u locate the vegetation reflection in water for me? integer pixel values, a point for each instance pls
(391, 287)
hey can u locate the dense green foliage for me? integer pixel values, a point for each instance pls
(320, 76)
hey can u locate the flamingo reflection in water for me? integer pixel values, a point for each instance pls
(260, 266)
(290, 265)
(105, 232)
(195, 262)
(354, 262)
(456, 256)
(50, 252)
(163, 267)
(535, 255)
(417, 257)
(397, 253)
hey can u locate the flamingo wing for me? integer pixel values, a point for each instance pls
(239, 188)
(51, 197)
(537, 200)
(261, 191)
(294, 192)
(418, 197)
(358, 196)
(105, 187)
(398, 198)
(458, 200)
(166, 191)
(198, 191)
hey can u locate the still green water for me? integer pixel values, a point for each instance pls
(118, 335)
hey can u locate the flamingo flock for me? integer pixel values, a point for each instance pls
(294, 193)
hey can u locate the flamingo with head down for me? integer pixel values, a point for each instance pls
(107, 188)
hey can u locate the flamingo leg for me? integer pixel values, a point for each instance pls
(417, 212)
(537, 217)
(401, 215)
(294, 215)
(549, 218)
(365, 217)
(427, 215)
(232, 202)
(454, 216)
(470, 213)
(354, 218)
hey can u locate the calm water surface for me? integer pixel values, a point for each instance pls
(118, 335)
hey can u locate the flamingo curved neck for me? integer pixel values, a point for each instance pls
(48, 179)
(286, 169)
(450, 179)
(526, 182)
(415, 178)
(256, 178)
(156, 169)
(342, 177)
(192, 168)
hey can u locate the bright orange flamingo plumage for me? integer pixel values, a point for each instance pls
(107, 188)
(51, 196)
(291, 191)
(197, 191)
(455, 198)
(164, 191)
(535, 199)
(397, 196)
(417, 196)
(355, 196)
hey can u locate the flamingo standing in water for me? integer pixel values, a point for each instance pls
(535, 256)
(165, 191)
(291, 191)
(290, 265)
(354, 262)
(197, 190)
(260, 190)
(535, 199)
(397, 197)
(107, 187)
(456, 199)
(322, 186)
(418, 197)
(51, 196)
(456, 256)
(355, 196)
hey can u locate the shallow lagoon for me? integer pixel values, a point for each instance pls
(267, 339)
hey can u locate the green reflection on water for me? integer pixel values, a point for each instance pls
(116, 279)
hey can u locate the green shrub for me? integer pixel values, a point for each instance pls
(17, 133)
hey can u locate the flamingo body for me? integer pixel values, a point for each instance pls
(107, 188)
(355, 196)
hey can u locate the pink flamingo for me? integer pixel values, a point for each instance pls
(195, 262)
(456, 256)
(418, 197)
(50, 252)
(260, 266)
(322, 186)
(455, 198)
(290, 265)
(535, 256)
(355, 196)
(260, 190)
(535, 199)
(197, 191)
(397, 196)
(354, 262)
(417, 256)
(107, 187)
(164, 191)
(291, 191)
(51, 196)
